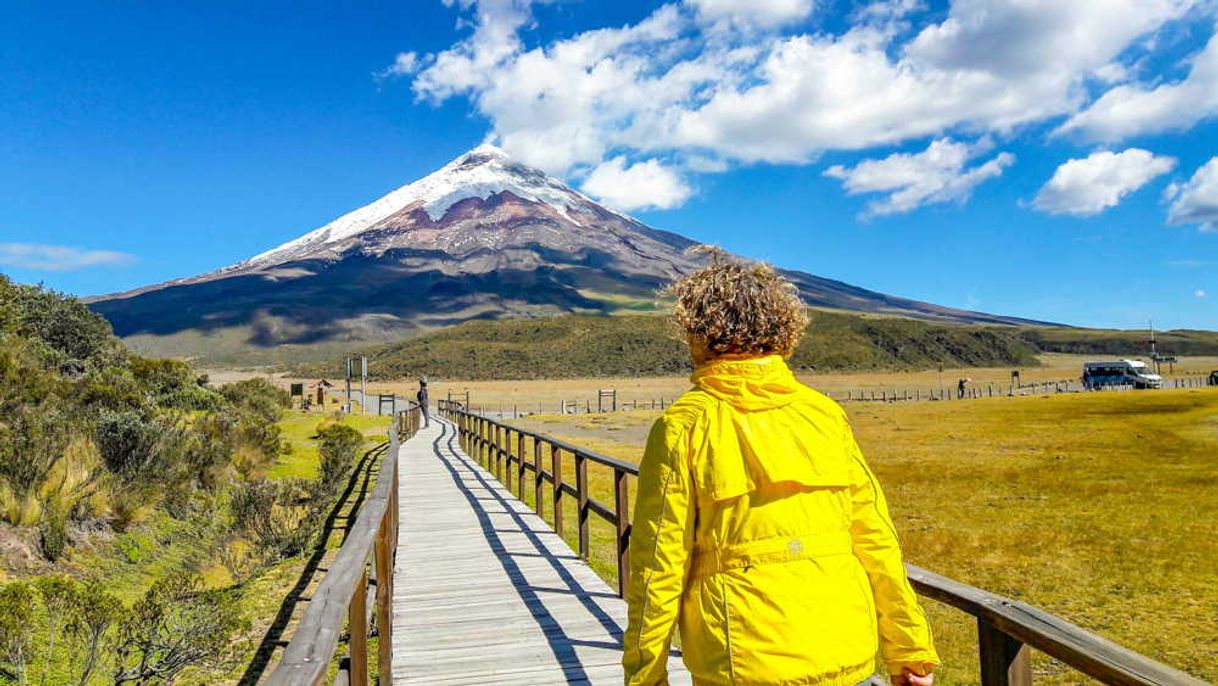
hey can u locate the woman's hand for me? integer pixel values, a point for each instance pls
(908, 678)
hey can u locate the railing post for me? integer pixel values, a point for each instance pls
(357, 621)
(520, 470)
(581, 489)
(622, 520)
(556, 467)
(499, 452)
(1004, 660)
(538, 482)
(383, 558)
(503, 441)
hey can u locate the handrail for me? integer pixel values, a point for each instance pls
(342, 593)
(1007, 629)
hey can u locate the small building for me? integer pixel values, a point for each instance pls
(322, 387)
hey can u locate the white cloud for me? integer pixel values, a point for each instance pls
(677, 86)
(1089, 185)
(1135, 109)
(751, 12)
(1196, 200)
(41, 257)
(1200, 293)
(404, 64)
(935, 175)
(641, 185)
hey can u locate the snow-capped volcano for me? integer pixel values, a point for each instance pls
(483, 237)
(481, 173)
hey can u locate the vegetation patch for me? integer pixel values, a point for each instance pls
(139, 520)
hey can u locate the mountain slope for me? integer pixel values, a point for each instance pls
(633, 345)
(484, 237)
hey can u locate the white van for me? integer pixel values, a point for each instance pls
(1132, 373)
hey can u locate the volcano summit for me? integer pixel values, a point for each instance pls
(483, 237)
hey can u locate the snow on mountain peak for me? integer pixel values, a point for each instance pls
(482, 172)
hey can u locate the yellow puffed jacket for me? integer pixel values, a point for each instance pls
(762, 533)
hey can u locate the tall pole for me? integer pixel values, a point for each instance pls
(349, 361)
(363, 385)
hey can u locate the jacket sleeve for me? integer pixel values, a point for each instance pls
(662, 535)
(905, 636)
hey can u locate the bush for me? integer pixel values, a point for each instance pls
(16, 630)
(258, 397)
(131, 445)
(94, 611)
(174, 626)
(53, 534)
(64, 323)
(32, 440)
(261, 513)
(172, 383)
(339, 445)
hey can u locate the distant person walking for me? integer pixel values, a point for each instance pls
(759, 529)
(421, 396)
(960, 386)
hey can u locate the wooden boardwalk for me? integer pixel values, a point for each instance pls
(485, 592)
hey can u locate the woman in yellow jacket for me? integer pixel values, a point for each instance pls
(759, 529)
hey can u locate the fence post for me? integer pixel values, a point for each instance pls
(581, 489)
(357, 619)
(622, 509)
(498, 453)
(520, 470)
(383, 558)
(538, 482)
(1004, 660)
(556, 467)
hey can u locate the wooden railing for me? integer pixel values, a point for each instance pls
(342, 595)
(491, 442)
(1007, 629)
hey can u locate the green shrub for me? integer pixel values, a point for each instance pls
(64, 323)
(339, 446)
(32, 440)
(16, 630)
(131, 445)
(133, 547)
(53, 534)
(253, 507)
(177, 625)
(94, 612)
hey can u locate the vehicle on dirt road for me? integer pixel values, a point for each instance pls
(1119, 373)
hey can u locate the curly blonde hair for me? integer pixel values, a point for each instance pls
(733, 308)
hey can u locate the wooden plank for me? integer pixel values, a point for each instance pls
(485, 591)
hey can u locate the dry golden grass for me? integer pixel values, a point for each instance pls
(1100, 508)
(545, 396)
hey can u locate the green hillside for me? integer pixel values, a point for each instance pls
(581, 346)
(589, 346)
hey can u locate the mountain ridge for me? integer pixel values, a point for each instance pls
(483, 237)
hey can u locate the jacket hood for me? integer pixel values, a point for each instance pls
(767, 428)
(749, 384)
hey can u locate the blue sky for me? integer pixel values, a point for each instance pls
(1043, 159)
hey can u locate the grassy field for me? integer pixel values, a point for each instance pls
(545, 396)
(1097, 507)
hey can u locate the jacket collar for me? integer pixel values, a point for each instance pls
(749, 383)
